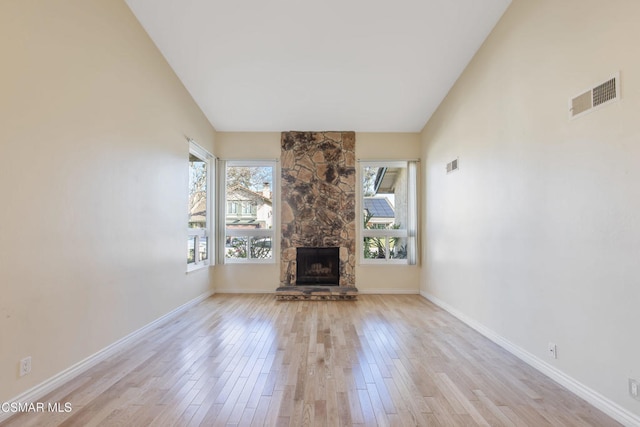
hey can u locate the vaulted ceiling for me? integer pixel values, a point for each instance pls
(276, 65)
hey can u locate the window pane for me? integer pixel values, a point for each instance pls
(236, 247)
(374, 247)
(398, 248)
(249, 204)
(253, 247)
(204, 248)
(191, 249)
(197, 192)
(261, 248)
(385, 197)
(387, 194)
(249, 216)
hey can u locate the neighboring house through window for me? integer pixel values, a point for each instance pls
(249, 213)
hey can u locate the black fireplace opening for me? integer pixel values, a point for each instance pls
(318, 266)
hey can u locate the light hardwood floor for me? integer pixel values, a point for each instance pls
(250, 360)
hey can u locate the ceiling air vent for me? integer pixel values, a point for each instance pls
(597, 96)
(452, 166)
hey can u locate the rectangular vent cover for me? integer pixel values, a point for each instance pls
(452, 166)
(581, 103)
(597, 96)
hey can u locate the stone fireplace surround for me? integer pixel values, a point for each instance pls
(318, 208)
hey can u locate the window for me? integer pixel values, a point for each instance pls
(250, 210)
(389, 212)
(199, 212)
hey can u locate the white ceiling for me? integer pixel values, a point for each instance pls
(277, 65)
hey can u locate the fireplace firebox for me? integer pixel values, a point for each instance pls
(318, 266)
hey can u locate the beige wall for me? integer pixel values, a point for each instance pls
(93, 178)
(536, 236)
(242, 278)
(266, 277)
(387, 278)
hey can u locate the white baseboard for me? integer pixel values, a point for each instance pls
(37, 392)
(360, 291)
(593, 397)
(245, 291)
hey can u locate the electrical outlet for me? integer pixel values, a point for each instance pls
(634, 388)
(553, 351)
(25, 366)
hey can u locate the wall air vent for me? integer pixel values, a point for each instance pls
(595, 97)
(452, 166)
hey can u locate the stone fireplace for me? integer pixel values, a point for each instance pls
(318, 209)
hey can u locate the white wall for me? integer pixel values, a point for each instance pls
(266, 277)
(93, 184)
(536, 237)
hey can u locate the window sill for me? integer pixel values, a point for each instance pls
(198, 267)
(241, 261)
(384, 262)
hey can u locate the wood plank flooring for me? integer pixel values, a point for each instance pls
(248, 360)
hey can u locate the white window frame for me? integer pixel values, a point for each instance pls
(248, 233)
(199, 233)
(409, 232)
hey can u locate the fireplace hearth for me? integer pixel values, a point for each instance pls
(318, 266)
